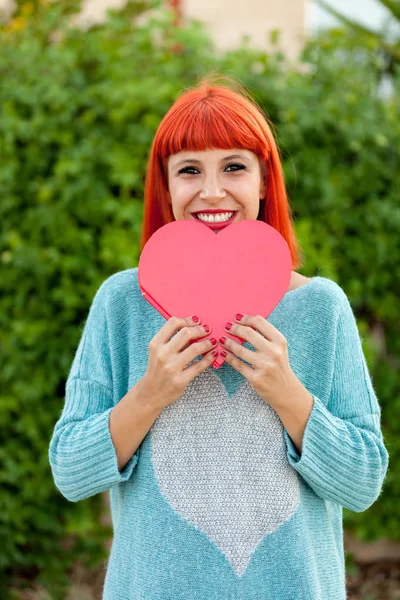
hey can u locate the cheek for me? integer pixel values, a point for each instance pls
(249, 195)
(247, 191)
(180, 198)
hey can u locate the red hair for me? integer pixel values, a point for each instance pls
(212, 116)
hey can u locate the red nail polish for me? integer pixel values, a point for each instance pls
(196, 319)
(207, 328)
(222, 340)
(223, 353)
(214, 353)
(239, 317)
(213, 340)
(228, 326)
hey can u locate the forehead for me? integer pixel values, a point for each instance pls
(212, 154)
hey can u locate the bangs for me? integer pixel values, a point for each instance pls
(203, 126)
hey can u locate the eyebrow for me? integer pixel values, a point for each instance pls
(195, 160)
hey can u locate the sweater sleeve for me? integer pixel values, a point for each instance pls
(82, 456)
(343, 456)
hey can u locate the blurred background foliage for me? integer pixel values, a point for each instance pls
(78, 111)
(385, 40)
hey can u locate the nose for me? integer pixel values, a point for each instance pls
(212, 190)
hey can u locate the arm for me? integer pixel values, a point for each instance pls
(82, 456)
(294, 414)
(130, 420)
(343, 457)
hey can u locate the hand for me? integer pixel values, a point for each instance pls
(170, 350)
(268, 372)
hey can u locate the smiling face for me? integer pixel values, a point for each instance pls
(229, 182)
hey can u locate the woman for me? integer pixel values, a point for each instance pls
(229, 483)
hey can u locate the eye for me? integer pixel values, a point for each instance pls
(236, 165)
(186, 170)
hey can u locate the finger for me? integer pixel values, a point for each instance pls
(200, 365)
(246, 370)
(194, 339)
(266, 329)
(240, 351)
(196, 349)
(172, 326)
(185, 336)
(247, 333)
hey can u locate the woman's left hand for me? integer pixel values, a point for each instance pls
(270, 374)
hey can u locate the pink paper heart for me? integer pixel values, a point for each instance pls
(187, 269)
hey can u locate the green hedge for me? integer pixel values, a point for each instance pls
(78, 111)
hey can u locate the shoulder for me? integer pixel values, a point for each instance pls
(327, 295)
(121, 279)
(297, 281)
(322, 307)
(324, 285)
(333, 289)
(319, 295)
(119, 286)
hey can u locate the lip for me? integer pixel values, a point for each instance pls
(215, 226)
(213, 211)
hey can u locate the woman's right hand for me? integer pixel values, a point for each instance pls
(167, 374)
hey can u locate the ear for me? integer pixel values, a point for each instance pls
(263, 180)
(263, 187)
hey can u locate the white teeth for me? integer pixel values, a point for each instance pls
(214, 218)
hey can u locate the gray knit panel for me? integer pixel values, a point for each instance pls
(221, 463)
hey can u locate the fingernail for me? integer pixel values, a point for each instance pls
(222, 340)
(214, 353)
(223, 353)
(239, 317)
(213, 341)
(195, 319)
(207, 328)
(228, 326)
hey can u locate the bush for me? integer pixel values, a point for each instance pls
(79, 110)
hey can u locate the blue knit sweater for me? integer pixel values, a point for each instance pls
(216, 503)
